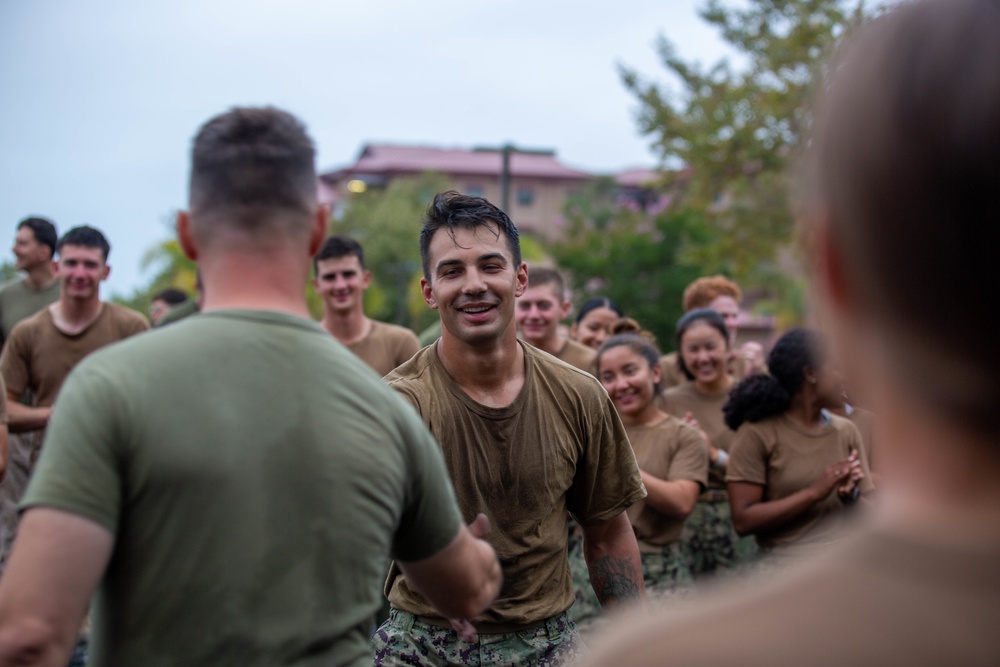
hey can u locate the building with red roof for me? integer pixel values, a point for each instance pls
(538, 182)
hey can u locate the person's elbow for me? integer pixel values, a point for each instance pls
(29, 641)
(687, 505)
(741, 524)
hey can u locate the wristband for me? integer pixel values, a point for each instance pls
(721, 461)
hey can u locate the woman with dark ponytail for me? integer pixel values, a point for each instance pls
(794, 466)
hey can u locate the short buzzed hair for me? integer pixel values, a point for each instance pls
(251, 168)
(43, 230)
(545, 275)
(339, 246)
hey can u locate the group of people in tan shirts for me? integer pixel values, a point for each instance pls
(669, 468)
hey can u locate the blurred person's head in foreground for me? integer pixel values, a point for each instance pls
(899, 210)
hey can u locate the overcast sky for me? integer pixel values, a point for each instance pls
(99, 99)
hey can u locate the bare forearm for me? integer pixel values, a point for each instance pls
(612, 556)
(767, 515)
(26, 418)
(670, 498)
(460, 581)
(51, 574)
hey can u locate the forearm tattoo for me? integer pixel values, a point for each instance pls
(615, 580)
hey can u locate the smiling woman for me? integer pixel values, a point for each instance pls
(593, 322)
(703, 342)
(672, 461)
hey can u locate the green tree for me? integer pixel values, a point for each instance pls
(736, 131)
(7, 271)
(171, 269)
(641, 261)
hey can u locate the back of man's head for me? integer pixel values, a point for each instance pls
(252, 172)
(904, 164)
(338, 246)
(451, 209)
(44, 231)
(86, 237)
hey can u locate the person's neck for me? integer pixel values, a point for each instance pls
(648, 416)
(71, 316)
(347, 327)
(723, 383)
(266, 281)
(934, 473)
(491, 373)
(40, 277)
(806, 410)
(552, 344)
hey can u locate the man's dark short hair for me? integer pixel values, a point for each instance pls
(44, 231)
(251, 166)
(87, 237)
(451, 209)
(171, 296)
(339, 246)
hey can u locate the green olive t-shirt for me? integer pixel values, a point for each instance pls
(255, 476)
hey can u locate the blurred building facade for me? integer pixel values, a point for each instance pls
(538, 183)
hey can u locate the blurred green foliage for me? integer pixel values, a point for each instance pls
(732, 134)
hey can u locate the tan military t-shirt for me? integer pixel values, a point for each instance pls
(670, 450)
(671, 375)
(707, 409)
(880, 597)
(18, 301)
(386, 346)
(559, 446)
(785, 457)
(580, 356)
(39, 356)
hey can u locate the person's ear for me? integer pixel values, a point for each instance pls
(522, 279)
(184, 236)
(318, 231)
(425, 289)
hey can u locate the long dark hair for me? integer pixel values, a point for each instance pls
(764, 395)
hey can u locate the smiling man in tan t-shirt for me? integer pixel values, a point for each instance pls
(341, 280)
(44, 348)
(540, 310)
(525, 438)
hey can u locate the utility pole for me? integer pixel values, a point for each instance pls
(505, 152)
